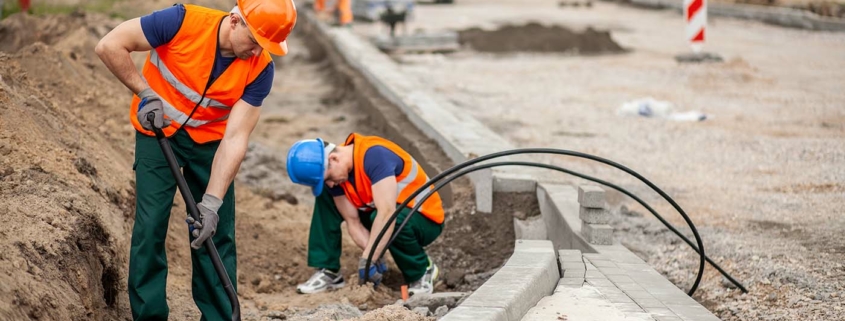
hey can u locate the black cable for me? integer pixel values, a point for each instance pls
(455, 168)
(448, 180)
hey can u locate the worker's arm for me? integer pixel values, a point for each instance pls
(385, 193)
(232, 148)
(114, 51)
(356, 229)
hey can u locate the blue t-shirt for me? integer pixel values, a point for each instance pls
(379, 163)
(161, 26)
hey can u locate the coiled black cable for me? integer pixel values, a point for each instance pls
(468, 163)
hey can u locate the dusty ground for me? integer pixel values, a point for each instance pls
(763, 179)
(67, 190)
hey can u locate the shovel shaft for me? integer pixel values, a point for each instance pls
(191, 204)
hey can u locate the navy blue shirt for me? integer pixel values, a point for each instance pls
(379, 163)
(161, 26)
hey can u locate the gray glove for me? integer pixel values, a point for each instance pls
(209, 218)
(151, 103)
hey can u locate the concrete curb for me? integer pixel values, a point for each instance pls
(528, 276)
(781, 16)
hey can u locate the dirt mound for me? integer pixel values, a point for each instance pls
(534, 37)
(66, 189)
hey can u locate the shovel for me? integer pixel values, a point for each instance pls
(191, 204)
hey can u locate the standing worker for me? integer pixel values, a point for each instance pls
(341, 9)
(204, 79)
(367, 177)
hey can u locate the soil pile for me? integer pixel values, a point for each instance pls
(534, 37)
(66, 190)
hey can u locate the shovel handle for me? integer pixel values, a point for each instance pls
(191, 204)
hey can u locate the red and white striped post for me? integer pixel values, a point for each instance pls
(695, 12)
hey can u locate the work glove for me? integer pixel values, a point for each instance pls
(374, 275)
(381, 266)
(151, 103)
(207, 225)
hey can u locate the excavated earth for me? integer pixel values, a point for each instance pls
(67, 186)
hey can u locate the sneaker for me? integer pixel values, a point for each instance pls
(322, 280)
(426, 283)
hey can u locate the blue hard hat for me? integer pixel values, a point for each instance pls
(307, 164)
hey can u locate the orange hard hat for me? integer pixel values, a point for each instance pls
(270, 22)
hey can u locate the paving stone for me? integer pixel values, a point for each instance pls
(611, 270)
(594, 215)
(620, 279)
(649, 303)
(638, 295)
(594, 274)
(591, 196)
(601, 234)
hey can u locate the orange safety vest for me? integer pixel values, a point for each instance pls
(411, 178)
(179, 73)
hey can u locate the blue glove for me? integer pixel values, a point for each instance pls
(381, 266)
(374, 275)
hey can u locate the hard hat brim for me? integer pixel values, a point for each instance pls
(278, 49)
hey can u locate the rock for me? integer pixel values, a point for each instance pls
(453, 278)
(423, 311)
(435, 300)
(727, 283)
(441, 311)
(276, 315)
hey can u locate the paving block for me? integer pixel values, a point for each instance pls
(570, 256)
(594, 274)
(601, 234)
(620, 279)
(569, 283)
(574, 274)
(531, 228)
(573, 266)
(462, 313)
(594, 215)
(591, 196)
(611, 270)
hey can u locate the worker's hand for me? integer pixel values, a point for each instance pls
(374, 275)
(381, 266)
(151, 103)
(209, 218)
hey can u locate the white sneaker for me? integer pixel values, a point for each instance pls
(426, 283)
(321, 280)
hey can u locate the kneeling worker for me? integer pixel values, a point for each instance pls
(366, 177)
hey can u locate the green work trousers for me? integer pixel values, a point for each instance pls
(155, 188)
(324, 240)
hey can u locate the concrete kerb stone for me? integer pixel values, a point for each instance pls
(781, 16)
(529, 275)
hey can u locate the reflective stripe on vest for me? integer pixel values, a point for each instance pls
(189, 93)
(412, 176)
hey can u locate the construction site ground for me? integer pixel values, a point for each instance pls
(67, 187)
(762, 178)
